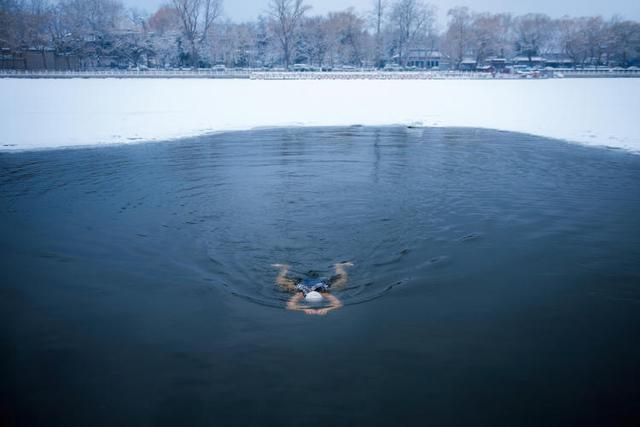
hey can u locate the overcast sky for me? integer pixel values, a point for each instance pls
(246, 10)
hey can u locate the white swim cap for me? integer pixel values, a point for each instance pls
(314, 296)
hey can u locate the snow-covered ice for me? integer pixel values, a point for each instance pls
(44, 113)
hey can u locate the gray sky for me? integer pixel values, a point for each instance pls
(244, 10)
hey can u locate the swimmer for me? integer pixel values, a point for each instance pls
(313, 290)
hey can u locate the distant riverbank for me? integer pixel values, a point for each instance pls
(325, 75)
(47, 113)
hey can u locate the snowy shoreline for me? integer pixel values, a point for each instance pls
(47, 113)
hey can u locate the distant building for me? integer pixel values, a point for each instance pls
(10, 60)
(468, 64)
(558, 60)
(535, 61)
(497, 64)
(424, 58)
(36, 60)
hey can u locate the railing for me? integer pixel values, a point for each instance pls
(603, 72)
(118, 74)
(378, 75)
(255, 75)
(325, 75)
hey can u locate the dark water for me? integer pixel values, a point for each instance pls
(496, 281)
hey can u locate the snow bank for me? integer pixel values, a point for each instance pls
(57, 113)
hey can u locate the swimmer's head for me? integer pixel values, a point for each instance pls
(314, 297)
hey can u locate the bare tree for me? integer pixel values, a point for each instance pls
(317, 40)
(287, 15)
(197, 18)
(458, 35)
(347, 33)
(595, 38)
(25, 23)
(379, 10)
(533, 32)
(91, 17)
(236, 44)
(99, 33)
(624, 41)
(489, 35)
(165, 19)
(138, 19)
(572, 41)
(85, 28)
(410, 19)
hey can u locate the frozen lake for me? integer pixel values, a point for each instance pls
(46, 113)
(496, 281)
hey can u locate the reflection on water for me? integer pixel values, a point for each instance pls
(152, 265)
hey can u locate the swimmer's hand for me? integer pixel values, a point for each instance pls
(285, 266)
(317, 312)
(334, 302)
(295, 300)
(344, 264)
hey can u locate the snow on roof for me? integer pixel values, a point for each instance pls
(526, 58)
(424, 53)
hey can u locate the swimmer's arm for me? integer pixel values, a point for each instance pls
(282, 280)
(341, 275)
(334, 302)
(294, 302)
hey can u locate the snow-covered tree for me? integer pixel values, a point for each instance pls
(490, 36)
(317, 40)
(286, 17)
(348, 37)
(533, 32)
(102, 33)
(378, 19)
(624, 42)
(458, 35)
(197, 18)
(410, 20)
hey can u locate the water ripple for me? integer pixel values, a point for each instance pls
(405, 205)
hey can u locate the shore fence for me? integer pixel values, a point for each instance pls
(325, 75)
